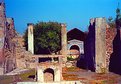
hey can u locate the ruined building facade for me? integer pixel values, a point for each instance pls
(12, 53)
(7, 33)
(103, 47)
(2, 35)
(9, 47)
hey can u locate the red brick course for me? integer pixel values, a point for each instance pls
(110, 35)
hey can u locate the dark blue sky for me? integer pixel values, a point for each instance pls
(75, 13)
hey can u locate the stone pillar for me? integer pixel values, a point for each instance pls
(40, 75)
(57, 77)
(100, 45)
(30, 38)
(64, 42)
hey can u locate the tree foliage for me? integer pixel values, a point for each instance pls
(118, 18)
(47, 37)
(111, 22)
(115, 23)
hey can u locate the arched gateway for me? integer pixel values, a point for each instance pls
(48, 75)
(49, 72)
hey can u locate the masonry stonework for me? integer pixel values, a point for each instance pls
(100, 44)
(64, 41)
(57, 74)
(110, 35)
(2, 36)
(30, 38)
(9, 50)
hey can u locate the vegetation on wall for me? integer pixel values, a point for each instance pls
(111, 22)
(118, 18)
(115, 23)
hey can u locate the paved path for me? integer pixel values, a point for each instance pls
(89, 77)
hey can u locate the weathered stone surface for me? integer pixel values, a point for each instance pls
(7, 33)
(96, 45)
(47, 70)
(110, 35)
(9, 50)
(11, 44)
(2, 35)
(64, 41)
(23, 58)
(100, 44)
(30, 38)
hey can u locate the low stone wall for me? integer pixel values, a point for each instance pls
(62, 82)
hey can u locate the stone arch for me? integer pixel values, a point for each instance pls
(79, 45)
(54, 71)
(75, 47)
(48, 75)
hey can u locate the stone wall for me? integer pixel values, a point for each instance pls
(2, 36)
(99, 45)
(62, 82)
(24, 58)
(9, 48)
(12, 53)
(110, 35)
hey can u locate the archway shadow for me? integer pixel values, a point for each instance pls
(51, 71)
(115, 58)
(89, 48)
(88, 60)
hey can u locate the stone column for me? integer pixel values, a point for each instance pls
(64, 41)
(57, 77)
(100, 45)
(30, 38)
(40, 75)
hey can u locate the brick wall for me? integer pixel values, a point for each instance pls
(110, 35)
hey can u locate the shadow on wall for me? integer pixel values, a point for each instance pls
(49, 75)
(115, 59)
(87, 61)
(89, 48)
(81, 62)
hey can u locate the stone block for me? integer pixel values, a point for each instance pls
(100, 44)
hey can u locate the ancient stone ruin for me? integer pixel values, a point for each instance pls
(7, 33)
(99, 45)
(100, 49)
(12, 53)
